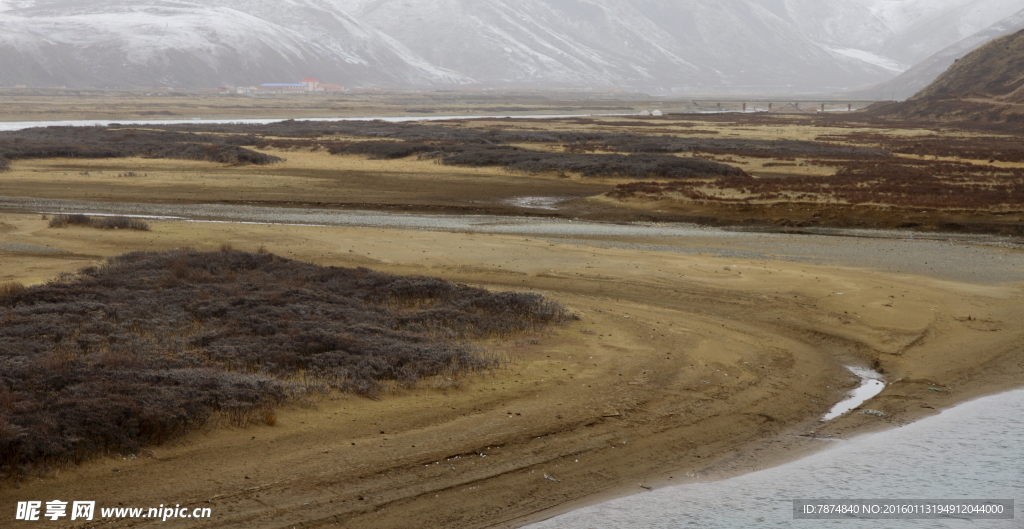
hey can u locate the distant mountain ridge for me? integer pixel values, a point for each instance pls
(658, 46)
(124, 43)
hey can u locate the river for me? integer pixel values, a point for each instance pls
(20, 125)
(972, 451)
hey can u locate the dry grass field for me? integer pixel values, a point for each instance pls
(52, 105)
(753, 169)
(688, 365)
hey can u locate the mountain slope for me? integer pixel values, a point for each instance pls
(986, 85)
(657, 46)
(162, 42)
(921, 75)
(679, 45)
(996, 71)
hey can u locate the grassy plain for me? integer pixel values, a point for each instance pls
(800, 171)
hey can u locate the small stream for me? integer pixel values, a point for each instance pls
(871, 384)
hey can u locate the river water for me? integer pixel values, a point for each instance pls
(891, 251)
(20, 125)
(871, 384)
(972, 451)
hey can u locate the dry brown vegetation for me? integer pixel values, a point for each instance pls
(153, 345)
(490, 148)
(405, 139)
(754, 148)
(966, 146)
(580, 152)
(904, 183)
(820, 160)
(112, 142)
(589, 165)
(117, 222)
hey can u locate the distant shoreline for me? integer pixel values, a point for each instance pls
(21, 125)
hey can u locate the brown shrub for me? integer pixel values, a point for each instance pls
(63, 221)
(152, 345)
(904, 183)
(10, 291)
(589, 165)
(118, 222)
(114, 142)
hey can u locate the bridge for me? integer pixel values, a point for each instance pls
(794, 106)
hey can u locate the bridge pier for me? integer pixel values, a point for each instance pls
(745, 105)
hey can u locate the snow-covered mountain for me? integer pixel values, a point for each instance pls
(108, 43)
(682, 45)
(658, 46)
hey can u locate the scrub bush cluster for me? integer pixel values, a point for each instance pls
(111, 142)
(117, 222)
(150, 346)
(924, 183)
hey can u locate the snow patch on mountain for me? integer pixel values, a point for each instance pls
(870, 58)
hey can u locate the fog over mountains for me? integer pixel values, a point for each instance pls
(655, 46)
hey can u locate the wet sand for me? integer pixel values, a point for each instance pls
(699, 354)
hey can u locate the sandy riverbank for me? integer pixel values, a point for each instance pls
(682, 367)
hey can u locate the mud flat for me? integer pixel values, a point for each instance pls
(698, 354)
